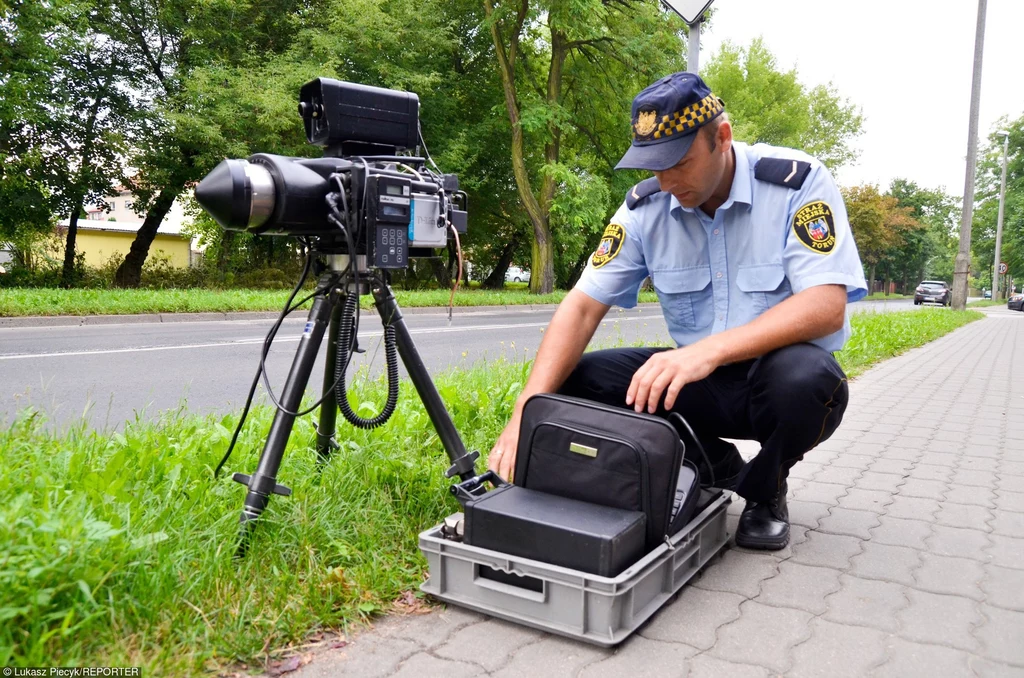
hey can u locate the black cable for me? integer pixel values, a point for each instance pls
(700, 447)
(344, 356)
(269, 338)
(352, 271)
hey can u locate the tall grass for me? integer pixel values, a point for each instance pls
(117, 549)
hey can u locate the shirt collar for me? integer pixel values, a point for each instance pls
(741, 189)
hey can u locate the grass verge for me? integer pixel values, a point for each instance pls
(16, 302)
(981, 303)
(117, 549)
(881, 296)
(878, 336)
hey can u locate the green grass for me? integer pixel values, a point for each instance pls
(880, 296)
(15, 302)
(878, 336)
(981, 303)
(116, 549)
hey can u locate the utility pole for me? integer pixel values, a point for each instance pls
(999, 221)
(963, 258)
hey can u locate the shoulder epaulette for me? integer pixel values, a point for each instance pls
(644, 189)
(782, 171)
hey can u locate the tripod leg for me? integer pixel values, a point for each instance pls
(463, 463)
(325, 443)
(263, 482)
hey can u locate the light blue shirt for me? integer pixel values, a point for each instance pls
(765, 243)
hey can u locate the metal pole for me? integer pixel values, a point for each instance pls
(693, 55)
(963, 258)
(999, 221)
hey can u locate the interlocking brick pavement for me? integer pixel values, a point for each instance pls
(907, 556)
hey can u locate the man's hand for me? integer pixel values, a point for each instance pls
(667, 372)
(502, 459)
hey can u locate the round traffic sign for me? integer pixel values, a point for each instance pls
(1002, 268)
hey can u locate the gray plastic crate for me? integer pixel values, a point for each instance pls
(598, 610)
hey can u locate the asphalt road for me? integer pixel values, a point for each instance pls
(112, 373)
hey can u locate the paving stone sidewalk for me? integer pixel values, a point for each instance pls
(907, 554)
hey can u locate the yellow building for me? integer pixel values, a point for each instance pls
(99, 240)
(110, 229)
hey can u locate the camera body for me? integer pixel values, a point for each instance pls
(361, 195)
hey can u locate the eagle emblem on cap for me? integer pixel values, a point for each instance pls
(645, 123)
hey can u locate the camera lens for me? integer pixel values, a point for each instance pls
(238, 194)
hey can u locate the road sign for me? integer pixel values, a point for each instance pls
(690, 10)
(1002, 268)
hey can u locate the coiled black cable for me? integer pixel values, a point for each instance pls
(345, 344)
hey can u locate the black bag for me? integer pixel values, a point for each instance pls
(552, 529)
(607, 455)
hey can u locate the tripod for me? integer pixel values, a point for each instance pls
(325, 317)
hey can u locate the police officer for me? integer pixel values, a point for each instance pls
(751, 255)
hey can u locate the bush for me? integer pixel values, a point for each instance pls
(265, 278)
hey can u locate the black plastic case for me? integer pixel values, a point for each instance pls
(566, 532)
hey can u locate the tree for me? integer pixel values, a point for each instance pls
(880, 225)
(91, 81)
(554, 98)
(767, 105)
(27, 60)
(987, 203)
(928, 252)
(66, 116)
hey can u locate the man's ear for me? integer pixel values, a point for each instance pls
(723, 136)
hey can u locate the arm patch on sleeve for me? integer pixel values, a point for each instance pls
(788, 173)
(644, 189)
(815, 228)
(610, 245)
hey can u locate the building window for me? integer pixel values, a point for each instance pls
(128, 204)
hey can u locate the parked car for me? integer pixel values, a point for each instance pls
(933, 291)
(1015, 302)
(516, 274)
(986, 294)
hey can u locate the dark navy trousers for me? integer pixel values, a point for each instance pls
(789, 400)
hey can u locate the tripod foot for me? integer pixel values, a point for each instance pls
(325, 447)
(247, 522)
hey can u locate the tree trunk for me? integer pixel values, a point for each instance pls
(440, 271)
(67, 273)
(227, 242)
(543, 249)
(577, 269)
(539, 210)
(496, 280)
(129, 273)
(871, 278)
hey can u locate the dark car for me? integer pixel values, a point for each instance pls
(1015, 302)
(933, 291)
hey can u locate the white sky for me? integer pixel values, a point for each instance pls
(908, 65)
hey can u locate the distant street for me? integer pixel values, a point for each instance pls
(111, 373)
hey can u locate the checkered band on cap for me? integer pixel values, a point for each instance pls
(689, 118)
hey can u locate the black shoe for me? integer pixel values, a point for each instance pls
(765, 525)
